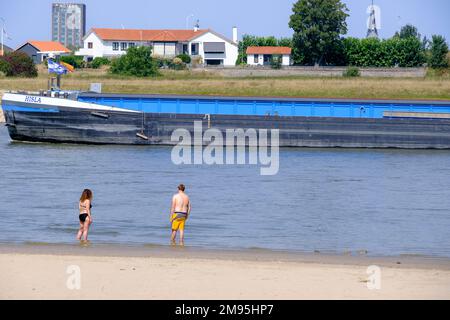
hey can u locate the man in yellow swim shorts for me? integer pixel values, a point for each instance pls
(179, 213)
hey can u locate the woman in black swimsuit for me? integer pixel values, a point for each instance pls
(85, 214)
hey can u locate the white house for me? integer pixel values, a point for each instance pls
(262, 56)
(214, 48)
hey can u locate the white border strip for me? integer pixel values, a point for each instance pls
(35, 101)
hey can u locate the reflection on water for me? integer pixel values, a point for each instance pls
(387, 202)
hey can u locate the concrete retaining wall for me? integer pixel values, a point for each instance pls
(238, 72)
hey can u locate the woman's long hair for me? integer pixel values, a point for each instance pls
(86, 195)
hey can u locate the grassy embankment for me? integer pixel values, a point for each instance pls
(433, 86)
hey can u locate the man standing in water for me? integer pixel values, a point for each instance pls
(179, 213)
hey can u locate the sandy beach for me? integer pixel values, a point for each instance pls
(44, 273)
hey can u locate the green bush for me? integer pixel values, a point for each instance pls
(4, 66)
(438, 53)
(392, 52)
(162, 62)
(137, 62)
(99, 61)
(351, 72)
(18, 64)
(177, 64)
(185, 58)
(75, 61)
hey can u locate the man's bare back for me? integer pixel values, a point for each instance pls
(179, 213)
(181, 202)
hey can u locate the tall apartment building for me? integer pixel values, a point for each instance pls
(69, 24)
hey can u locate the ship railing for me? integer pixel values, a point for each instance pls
(71, 95)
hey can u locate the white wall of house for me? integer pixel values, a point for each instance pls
(231, 50)
(102, 48)
(286, 60)
(98, 47)
(251, 60)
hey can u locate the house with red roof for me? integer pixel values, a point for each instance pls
(212, 47)
(262, 56)
(41, 50)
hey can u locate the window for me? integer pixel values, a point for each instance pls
(115, 46)
(123, 46)
(214, 47)
(131, 44)
(214, 62)
(194, 49)
(256, 60)
(90, 45)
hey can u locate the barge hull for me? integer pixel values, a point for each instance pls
(115, 127)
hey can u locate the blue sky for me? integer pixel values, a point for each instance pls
(30, 19)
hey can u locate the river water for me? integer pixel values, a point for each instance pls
(388, 202)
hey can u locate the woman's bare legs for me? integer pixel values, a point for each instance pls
(86, 225)
(80, 231)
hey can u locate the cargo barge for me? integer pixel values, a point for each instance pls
(90, 118)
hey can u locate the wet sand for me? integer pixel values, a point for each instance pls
(159, 272)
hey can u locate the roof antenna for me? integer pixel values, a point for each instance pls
(197, 25)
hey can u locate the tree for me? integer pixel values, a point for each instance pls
(18, 64)
(137, 62)
(318, 26)
(408, 31)
(438, 52)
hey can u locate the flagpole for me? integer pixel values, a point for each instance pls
(2, 41)
(2, 52)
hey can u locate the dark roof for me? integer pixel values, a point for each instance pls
(7, 49)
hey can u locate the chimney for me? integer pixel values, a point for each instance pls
(235, 35)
